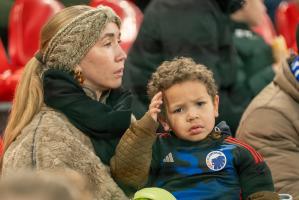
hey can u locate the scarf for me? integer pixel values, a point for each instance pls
(103, 123)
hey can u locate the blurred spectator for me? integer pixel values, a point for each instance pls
(3, 119)
(67, 3)
(257, 62)
(142, 4)
(271, 7)
(29, 185)
(5, 6)
(271, 125)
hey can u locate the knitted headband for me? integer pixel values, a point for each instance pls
(71, 43)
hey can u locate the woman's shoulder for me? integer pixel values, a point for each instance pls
(52, 123)
(50, 117)
(48, 136)
(48, 126)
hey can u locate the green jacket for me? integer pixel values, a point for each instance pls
(255, 58)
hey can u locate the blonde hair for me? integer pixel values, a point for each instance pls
(28, 98)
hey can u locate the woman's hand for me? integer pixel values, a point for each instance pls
(154, 107)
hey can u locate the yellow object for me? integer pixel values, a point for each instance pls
(153, 193)
(279, 48)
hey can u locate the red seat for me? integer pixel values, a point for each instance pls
(286, 20)
(130, 15)
(5, 71)
(3, 57)
(266, 29)
(8, 82)
(4, 64)
(1, 145)
(25, 22)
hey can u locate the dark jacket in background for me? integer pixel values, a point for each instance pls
(5, 7)
(255, 58)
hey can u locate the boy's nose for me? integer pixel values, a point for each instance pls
(192, 116)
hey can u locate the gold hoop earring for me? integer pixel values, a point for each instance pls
(78, 75)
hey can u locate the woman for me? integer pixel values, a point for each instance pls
(69, 109)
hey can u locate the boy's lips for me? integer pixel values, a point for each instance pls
(196, 129)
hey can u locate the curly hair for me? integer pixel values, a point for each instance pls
(180, 70)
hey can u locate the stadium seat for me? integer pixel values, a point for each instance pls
(25, 22)
(130, 15)
(8, 82)
(4, 64)
(5, 71)
(286, 20)
(1, 145)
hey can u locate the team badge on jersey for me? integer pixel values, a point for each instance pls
(216, 160)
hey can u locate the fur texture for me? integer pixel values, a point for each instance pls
(50, 142)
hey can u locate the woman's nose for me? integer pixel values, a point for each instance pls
(122, 55)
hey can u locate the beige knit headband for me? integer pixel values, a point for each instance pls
(71, 43)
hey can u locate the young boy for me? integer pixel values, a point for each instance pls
(195, 160)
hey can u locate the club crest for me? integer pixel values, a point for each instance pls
(216, 160)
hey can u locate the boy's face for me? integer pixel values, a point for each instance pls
(190, 110)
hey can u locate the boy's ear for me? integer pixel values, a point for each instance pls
(78, 67)
(164, 123)
(216, 106)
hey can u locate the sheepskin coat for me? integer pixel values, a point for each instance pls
(50, 142)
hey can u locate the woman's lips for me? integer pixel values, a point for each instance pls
(119, 73)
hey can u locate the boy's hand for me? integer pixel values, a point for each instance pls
(154, 107)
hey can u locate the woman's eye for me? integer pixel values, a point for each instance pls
(108, 44)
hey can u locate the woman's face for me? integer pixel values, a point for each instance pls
(103, 65)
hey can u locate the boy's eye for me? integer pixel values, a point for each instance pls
(200, 103)
(178, 110)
